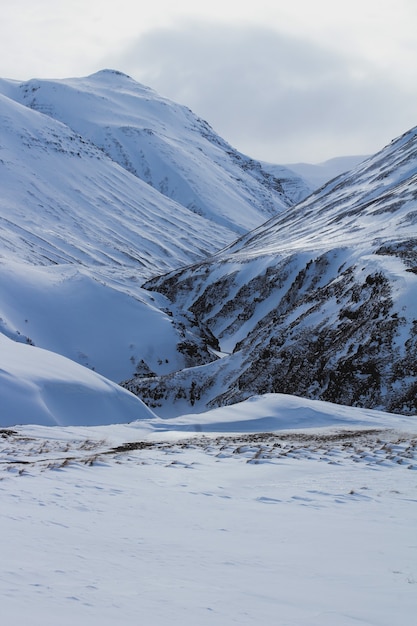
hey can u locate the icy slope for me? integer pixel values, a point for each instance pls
(165, 145)
(320, 302)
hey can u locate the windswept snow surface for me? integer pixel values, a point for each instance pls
(158, 523)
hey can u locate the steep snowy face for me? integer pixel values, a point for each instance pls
(64, 201)
(320, 302)
(165, 145)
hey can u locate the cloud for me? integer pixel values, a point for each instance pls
(271, 95)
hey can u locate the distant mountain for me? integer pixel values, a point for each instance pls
(320, 302)
(319, 174)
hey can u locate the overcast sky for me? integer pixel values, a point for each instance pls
(291, 81)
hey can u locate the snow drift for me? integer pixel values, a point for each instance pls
(40, 387)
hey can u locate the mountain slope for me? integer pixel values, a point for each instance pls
(64, 201)
(78, 234)
(319, 302)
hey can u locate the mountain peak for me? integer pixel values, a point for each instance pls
(110, 72)
(110, 76)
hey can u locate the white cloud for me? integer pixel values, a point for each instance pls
(281, 80)
(274, 96)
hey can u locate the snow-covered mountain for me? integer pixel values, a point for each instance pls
(165, 145)
(320, 302)
(77, 236)
(103, 184)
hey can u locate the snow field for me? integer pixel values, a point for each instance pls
(120, 524)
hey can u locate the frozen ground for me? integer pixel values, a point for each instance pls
(170, 522)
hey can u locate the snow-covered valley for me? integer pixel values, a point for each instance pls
(255, 475)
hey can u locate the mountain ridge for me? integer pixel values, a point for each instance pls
(318, 302)
(165, 145)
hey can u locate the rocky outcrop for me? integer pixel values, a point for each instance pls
(321, 302)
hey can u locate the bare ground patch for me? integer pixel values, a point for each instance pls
(377, 447)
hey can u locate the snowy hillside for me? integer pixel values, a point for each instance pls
(77, 236)
(40, 387)
(64, 202)
(320, 302)
(81, 228)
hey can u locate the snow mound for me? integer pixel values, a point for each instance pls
(41, 387)
(274, 412)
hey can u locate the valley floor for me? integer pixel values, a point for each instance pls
(115, 525)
